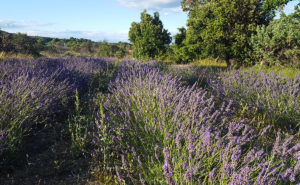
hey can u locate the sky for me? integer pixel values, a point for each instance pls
(97, 20)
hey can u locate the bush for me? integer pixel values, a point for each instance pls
(279, 42)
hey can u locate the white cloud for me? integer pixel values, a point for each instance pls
(93, 35)
(8, 24)
(45, 29)
(176, 9)
(150, 4)
(170, 11)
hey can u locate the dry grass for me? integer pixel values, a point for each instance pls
(210, 63)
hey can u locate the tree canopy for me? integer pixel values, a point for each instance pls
(279, 42)
(222, 27)
(149, 38)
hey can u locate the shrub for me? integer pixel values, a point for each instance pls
(278, 43)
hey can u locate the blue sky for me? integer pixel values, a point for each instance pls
(93, 19)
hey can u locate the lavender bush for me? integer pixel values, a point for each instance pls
(33, 91)
(26, 99)
(266, 99)
(154, 130)
(149, 127)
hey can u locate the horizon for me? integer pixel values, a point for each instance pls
(97, 20)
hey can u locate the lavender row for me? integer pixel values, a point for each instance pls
(276, 100)
(32, 91)
(154, 130)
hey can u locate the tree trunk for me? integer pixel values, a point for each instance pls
(227, 59)
(217, 59)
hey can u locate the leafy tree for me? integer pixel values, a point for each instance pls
(105, 50)
(87, 46)
(73, 44)
(39, 45)
(120, 53)
(24, 44)
(53, 42)
(179, 37)
(6, 44)
(279, 42)
(149, 38)
(268, 5)
(223, 28)
(179, 49)
(190, 5)
(271, 5)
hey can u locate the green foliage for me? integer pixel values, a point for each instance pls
(279, 42)
(6, 44)
(189, 5)
(81, 121)
(73, 44)
(271, 5)
(149, 38)
(223, 28)
(39, 45)
(120, 54)
(112, 50)
(87, 46)
(79, 128)
(105, 50)
(268, 5)
(179, 37)
(179, 51)
(24, 44)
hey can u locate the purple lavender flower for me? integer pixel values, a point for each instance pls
(168, 167)
(120, 179)
(141, 179)
(212, 174)
(265, 130)
(188, 175)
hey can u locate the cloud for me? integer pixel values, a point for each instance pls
(176, 9)
(149, 4)
(8, 24)
(93, 35)
(45, 29)
(170, 11)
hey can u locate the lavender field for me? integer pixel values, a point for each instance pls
(104, 121)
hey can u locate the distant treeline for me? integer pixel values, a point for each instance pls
(14, 44)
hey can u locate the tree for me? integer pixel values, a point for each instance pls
(180, 37)
(87, 46)
(268, 5)
(223, 28)
(24, 44)
(6, 43)
(149, 38)
(190, 5)
(39, 45)
(180, 52)
(105, 50)
(279, 42)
